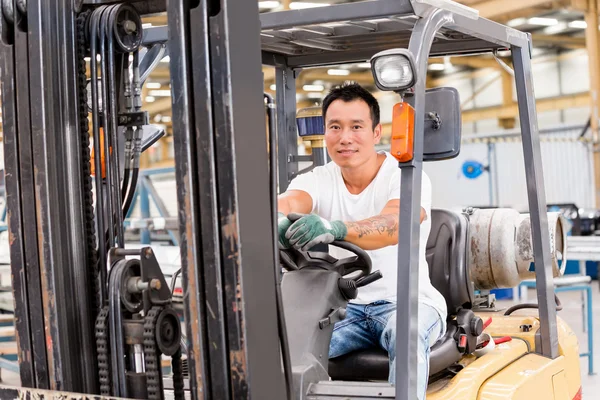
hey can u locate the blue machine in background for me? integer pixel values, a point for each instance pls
(473, 169)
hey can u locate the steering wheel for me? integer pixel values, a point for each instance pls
(293, 260)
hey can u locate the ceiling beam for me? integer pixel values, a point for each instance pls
(579, 5)
(363, 78)
(526, 13)
(473, 62)
(576, 100)
(507, 111)
(493, 9)
(507, 99)
(557, 40)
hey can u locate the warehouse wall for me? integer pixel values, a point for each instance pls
(567, 168)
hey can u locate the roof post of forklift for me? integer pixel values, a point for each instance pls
(410, 193)
(537, 200)
(285, 80)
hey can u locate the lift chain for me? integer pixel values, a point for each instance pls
(177, 368)
(152, 355)
(102, 346)
(88, 198)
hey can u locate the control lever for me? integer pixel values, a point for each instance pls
(349, 287)
(366, 280)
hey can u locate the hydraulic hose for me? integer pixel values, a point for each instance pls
(282, 329)
(129, 198)
(113, 136)
(127, 94)
(516, 307)
(585, 128)
(134, 161)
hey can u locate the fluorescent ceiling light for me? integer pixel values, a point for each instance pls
(153, 85)
(299, 6)
(578, 24)
(338, 72)
(166, 59)
(273, 87)
(364, 65)
(159, 93)
(542, 21)
(313, 88)
(166, 119)
(144, 26)
(150, 99)
(517, 22)
(551, 30)
(314, 95)
(437, 67)
(268, 4)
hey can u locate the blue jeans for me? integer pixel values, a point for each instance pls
(370, 325)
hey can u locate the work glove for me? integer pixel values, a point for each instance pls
(283, 223)
(309, 230)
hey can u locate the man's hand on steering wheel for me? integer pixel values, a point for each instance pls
(283, 224)
(310, 230)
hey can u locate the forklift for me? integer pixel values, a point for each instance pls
(95, 319)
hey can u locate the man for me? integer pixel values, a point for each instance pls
(356, 198)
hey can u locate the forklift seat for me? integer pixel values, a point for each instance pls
(447, 254)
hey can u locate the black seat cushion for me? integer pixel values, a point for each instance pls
(365, 365)
(447, 253)
(374, 365)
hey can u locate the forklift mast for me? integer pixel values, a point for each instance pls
(80, 299)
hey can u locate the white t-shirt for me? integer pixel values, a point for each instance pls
(332, 201)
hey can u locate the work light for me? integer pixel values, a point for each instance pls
(394, 69)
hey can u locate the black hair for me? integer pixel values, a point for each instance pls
(350, 91)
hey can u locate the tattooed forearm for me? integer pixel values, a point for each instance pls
(379, 225)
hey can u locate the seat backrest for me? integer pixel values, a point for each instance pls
(448, 255)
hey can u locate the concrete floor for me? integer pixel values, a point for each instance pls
(571, 313)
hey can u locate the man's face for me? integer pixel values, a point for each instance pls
(349, 133)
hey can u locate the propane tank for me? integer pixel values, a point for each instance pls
(501, 253)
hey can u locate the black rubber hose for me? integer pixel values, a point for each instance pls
(585, 128)
(133, 166)
(174, 280)
(532, 305)
(125, 184)
(129, 198)
(283, 338)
